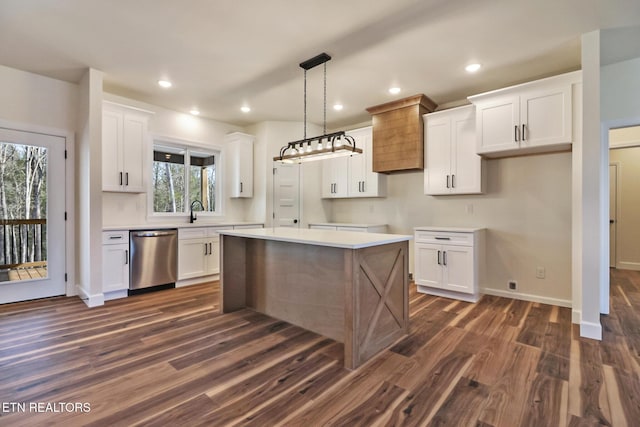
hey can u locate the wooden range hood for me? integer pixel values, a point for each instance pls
(398, 134)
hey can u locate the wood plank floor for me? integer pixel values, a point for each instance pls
(168, 358)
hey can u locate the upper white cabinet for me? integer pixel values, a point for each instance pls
(452, 165)
(124, 147)
(240, 161)
(533, 117)
(353, 176)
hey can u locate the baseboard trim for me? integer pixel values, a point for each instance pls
(628, 266)
(526, 297)
(576, 316)
(197, 280)
(591, 330)
(95, 300)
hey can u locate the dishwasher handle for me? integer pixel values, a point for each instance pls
(154, 233)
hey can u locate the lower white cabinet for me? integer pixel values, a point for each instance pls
(447, 261)
(198, 252)
(115, 263)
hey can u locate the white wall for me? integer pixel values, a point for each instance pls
(526, 209)
(270, 136)
(627, 249)
(88, 189)
(36, 100)
(131, 209)
(36, 103)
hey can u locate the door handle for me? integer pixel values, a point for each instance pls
(205, 249)
(448, 181)
(523, 133)
(126, 256)
(241, 187)
(295, 221)
(444, 257)
(210, 251)
(120, 178)
(453, 181)
(439, 258)
(611, 221)
(363, 189)
(126, 182)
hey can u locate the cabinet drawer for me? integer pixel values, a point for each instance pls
(445, 237)
(192, 233)
(213, 231)
(322, 227)
(356, 229)
(115, 237)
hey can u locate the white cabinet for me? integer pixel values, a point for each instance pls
(361, 228)
(240, 164)
(533, 117)
(115, 264)
(124, 148)
(198, 251)
(448, 261)
(353, 176)
(451, 163)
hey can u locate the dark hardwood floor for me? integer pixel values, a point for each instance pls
(167, 358)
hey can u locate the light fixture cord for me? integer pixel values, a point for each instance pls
(305, 104)
(324, 127)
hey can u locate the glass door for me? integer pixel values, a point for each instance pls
(32, 226)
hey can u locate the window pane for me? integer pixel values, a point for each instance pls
(23, 211)
(168, 180)
(202, 180)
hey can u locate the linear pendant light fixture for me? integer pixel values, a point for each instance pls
(325, 146)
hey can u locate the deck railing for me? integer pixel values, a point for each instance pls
(23, 243)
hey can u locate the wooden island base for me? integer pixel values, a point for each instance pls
(356, 296)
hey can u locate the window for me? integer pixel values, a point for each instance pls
(181, 176)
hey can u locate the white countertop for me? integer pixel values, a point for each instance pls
(162, 226)
(347, 224)
(337, 239)
(449, 229)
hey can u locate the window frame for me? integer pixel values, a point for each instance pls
(200, 147)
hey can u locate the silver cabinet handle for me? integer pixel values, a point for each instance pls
(154, 233)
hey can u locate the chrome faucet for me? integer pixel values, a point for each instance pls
(192, 217)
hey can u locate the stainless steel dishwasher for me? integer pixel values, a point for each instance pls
(154, 258)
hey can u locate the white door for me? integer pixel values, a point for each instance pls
(545, 117)
(613, 218)
(428, 265)
(437, 174)
(458, 264)
(497, 125)
(465, 163)
(32, 208)
(115, 270)
(192, 258)
(286, 195)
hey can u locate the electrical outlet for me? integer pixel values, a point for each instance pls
(540, 272)
(513, 285)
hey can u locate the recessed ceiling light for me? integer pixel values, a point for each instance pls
(164, 83)
(472, 68)
(245, 109)
(394, 90)
(195, 112)
(338, 107)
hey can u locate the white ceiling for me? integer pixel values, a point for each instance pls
(222, 54)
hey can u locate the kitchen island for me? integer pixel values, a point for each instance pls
(348, 286)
